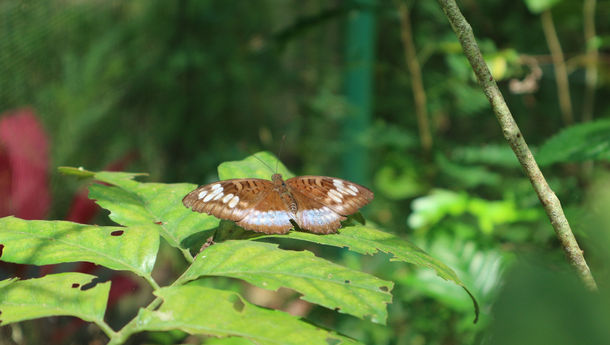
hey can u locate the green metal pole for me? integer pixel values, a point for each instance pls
(360, 56)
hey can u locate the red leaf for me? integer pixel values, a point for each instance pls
(24, 162)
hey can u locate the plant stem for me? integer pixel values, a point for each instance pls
(187, 255)
(419, 93)
(559, 64)
(105, 328)
(512, 134)
(592, 60)
(131, 327)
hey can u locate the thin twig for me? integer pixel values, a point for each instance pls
(559, 64)
(512, 134)
(592, 60)
(419, 93)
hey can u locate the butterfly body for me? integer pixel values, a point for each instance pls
(316, 203)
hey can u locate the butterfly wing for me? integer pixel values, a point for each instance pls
(324, 201)
(270, 215)
(314, 216)
(249, 202)
(341, 196)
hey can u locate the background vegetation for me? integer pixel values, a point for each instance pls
(174, 88)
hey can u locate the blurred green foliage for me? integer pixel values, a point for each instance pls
(187, 84)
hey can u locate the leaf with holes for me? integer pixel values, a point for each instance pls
(320, 281)
(367, 240)
(201, 310)
(75, 294)
(39, 242)
(157, 206)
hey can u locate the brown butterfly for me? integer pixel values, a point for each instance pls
(315, 203)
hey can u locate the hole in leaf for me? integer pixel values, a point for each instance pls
(238, 305)
(117, 233)
(337, 308)
(75, 285)
(1, 249)
(347, 281)
(91, 284)
(384, 288)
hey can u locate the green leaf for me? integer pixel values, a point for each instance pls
(587, 141)
(480, 268)
(78, 172)
(320, 281)
(539, 6)
(38, 242)
(430, 209)
(75, 294)
(496, 155)
(469, 176)
(156, 206)
(366, 240)
(252, 167)
(202, 310)
(229, 341)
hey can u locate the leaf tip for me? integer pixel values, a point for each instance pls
(78, 172)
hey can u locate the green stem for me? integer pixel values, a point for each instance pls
(513, 135)
(131, 327)
(559, 64)
(152, 282)
(187, 255)
(105, 328)
(419, 93)
(592, 60)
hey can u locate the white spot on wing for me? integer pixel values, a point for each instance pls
(336, 196)
(219, 195)
(213, 194)
(216, 186)
(233, 201)
(353, 188)
(202, 194)
(227, 198)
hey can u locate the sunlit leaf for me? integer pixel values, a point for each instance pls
(38, 242)
(538, 6)
(75, 294)
(253, 167)
(157, 206)
(582, 142)
(202, 310)
(229, 341)
(319, 281)
(366, 240)
(430, 209)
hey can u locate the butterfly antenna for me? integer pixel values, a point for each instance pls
(279, 155)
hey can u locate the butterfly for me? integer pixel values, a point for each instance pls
(315, 203)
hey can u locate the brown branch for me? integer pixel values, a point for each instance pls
(419, 94)
(561, 74)
(592, 60)
(512, 134)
